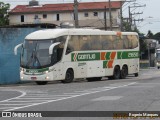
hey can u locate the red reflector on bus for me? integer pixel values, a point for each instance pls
(34, 78)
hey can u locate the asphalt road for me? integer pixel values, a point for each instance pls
(131, 94)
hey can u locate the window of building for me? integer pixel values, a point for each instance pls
(22, 18)
(36, 17)
(95, 13)
(58, 17)
(86, 14)
(44, 16)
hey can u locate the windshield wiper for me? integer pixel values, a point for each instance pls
(33, 59)
(35, 56)
(30, 60)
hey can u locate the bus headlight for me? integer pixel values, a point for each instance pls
(47, 78)
(21, 70)
(46, 72)
(22, 77)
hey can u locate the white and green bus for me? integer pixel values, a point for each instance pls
(67, 54)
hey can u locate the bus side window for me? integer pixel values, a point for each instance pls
(134, 41)
(85, 42)
(96, 42)
(107, 42)
(54, 55)
(59, 53)
(73, 44)
(125, 42)
(118, 42)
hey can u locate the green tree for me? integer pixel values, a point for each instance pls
(4, 13)
(157, 36)
(126, 26)
(150, 34)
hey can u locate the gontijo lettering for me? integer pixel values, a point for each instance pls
(86, 56)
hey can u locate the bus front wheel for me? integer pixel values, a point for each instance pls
(69, 76)
(41, 82)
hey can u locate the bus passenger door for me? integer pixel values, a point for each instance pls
(56, 58)
(81, 70)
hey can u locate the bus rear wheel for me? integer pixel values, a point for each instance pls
(124, 72)
(116, 72)
(69, 76)
(41, 82)
(136, 74)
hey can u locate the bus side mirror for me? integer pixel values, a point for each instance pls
(17, 46)
(68, 51)
(51, 47)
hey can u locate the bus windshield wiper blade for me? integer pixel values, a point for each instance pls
(35, 56)
(30, 60)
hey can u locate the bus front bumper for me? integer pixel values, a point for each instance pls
(42, 77)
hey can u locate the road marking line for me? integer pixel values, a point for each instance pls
(38, 98)
(74, 96)
(23, 94)
(13, 104)
(26, 101)
(106, 98)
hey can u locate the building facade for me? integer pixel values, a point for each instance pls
(90, 14)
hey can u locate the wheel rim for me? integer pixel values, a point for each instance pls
(68, 76)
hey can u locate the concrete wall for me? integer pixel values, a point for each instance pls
(9, 63)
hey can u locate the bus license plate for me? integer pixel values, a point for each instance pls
(33, 78)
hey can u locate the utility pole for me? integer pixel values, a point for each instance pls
(105, 19)
(121, 17)
(130, 14)
(110, 15)
(76, 13)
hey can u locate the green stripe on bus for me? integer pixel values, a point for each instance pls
(37, 70)
(96, 56)
(127, 54)
(108, 55)
(105, 64)
(85, 56)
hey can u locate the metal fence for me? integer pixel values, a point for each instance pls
(9, 63)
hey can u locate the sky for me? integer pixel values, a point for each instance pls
(150, 16)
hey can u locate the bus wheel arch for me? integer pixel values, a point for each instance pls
(116, 72)
(124, 71)
(69, 76)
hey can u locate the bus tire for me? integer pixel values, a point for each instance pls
(124, 72)
(116, 72)
(136, 74)
(69, 76)
(110, 77)
(41, 82)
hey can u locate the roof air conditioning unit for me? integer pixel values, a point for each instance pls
(66, 25)
(33, 3)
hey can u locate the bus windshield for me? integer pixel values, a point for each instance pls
(158, 56)
(35, 53)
